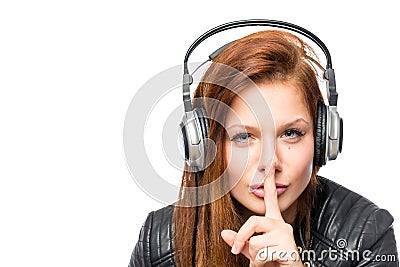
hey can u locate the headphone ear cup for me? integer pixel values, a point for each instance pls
(193, 137)
(320, 135)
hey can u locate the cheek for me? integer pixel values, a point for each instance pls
(227, 153)
(299, 159)
(230, 163)
(240, 163)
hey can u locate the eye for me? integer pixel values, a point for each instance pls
(293, 133)
(241, 138)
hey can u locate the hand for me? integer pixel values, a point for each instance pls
(276, 245)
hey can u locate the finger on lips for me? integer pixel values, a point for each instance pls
(260, 224)
(244, 240)
(272, 209)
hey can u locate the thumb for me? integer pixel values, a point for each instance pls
(229, 237)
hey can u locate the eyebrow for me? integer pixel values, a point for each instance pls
(286, 125)
(247, 127)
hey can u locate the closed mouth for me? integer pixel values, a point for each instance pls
(261, 185)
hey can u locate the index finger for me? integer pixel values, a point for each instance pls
(272, 209)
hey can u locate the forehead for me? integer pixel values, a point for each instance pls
(283, 101)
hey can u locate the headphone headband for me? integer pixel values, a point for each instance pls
(258, 22)
(329, 74)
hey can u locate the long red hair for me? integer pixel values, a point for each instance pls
(265, 56)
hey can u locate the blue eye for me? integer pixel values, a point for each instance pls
(241, 138)
(293, 133)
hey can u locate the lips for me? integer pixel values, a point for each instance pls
(258, 189)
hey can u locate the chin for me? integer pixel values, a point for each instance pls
(258, 207)
(285, 204)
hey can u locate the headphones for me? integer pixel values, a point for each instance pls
(194, 126)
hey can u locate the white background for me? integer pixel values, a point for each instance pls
(69, 69)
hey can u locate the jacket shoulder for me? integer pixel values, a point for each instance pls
(345, 220)
(155, 244)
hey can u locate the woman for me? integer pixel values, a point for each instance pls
(279, 212)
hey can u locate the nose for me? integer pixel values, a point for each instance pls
(269, 159)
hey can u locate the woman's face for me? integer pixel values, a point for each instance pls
(248, 152)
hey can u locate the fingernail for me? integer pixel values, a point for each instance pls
(233, 250)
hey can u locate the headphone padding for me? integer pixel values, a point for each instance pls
(184, 140)
(320, 135)
(201, 114)
(202, 119)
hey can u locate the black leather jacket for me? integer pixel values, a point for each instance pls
(344, 225)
